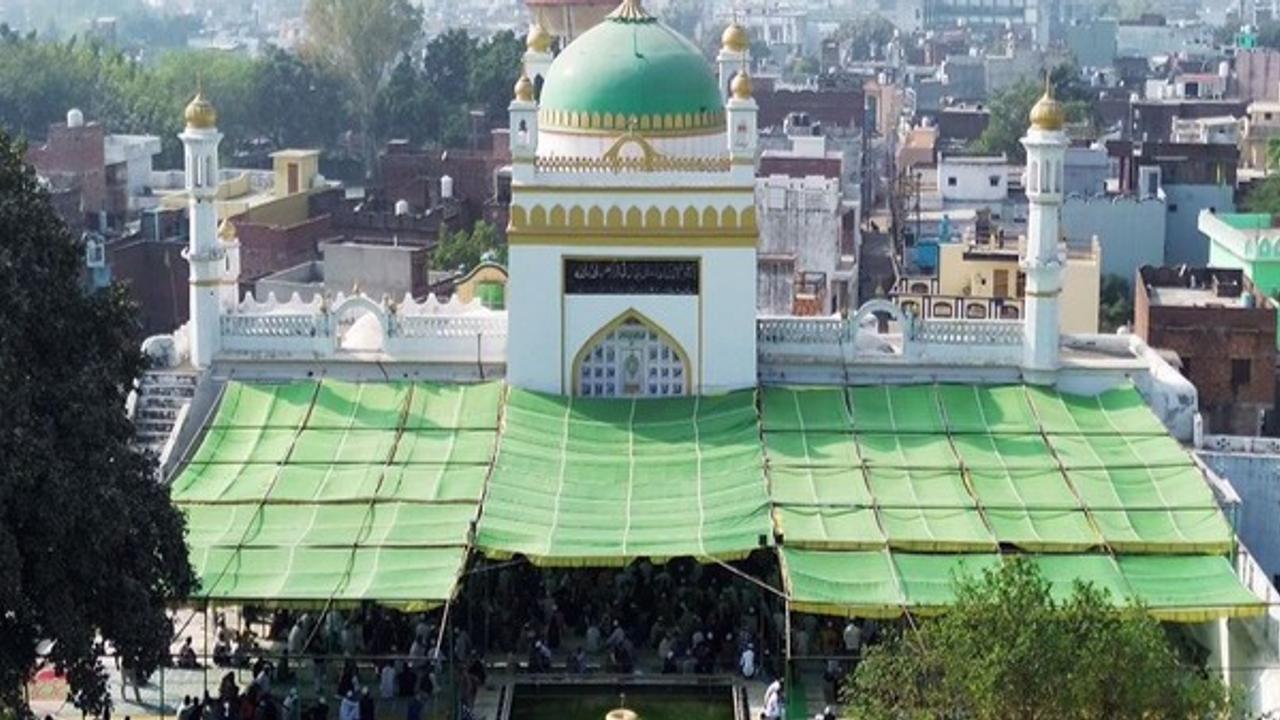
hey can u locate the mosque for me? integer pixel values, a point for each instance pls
(630, 403)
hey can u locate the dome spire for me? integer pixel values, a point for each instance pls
(200, 113)
(538, 40)
(631, 11)
(1048, 113)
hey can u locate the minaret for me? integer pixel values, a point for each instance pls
(523, 130)
(742, 117)
(1046, 145)
(735, 54)
(537, 56)
(205, 253)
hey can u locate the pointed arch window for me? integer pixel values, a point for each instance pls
(631, 357)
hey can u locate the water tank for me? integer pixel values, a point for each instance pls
(75, 118)
(446, 187)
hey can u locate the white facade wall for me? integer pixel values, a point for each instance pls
(798, 217)
(979, 180)
(716, 329)
(1183, 241)
(1130, 231)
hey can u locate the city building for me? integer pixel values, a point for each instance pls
(1261, 126)
(981, 279)
(1224, 332)
(1245, 242)
(1206, 131)
(99, 180)
(631, 403)
(1033, 15)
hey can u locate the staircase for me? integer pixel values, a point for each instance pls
(162, 394)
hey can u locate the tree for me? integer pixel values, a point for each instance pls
(1264, 197)
(464, 250)
(1009, 649)
(1115, 306)
(866, 36)
(1010, 109)
(362, 40)
(298, 104)
(90, 545)
(493, 72)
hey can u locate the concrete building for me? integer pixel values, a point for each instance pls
(1152, 120)
(1261, 126)
(980, 280)
(100, 179)
(974, 181)
(1258, 74)
(1034, 15)
(1247, 242)
(1093, 43)
(808, 250)
(1087, 171)
(379, 271)
(1207, 131)
(1193, 178)
(1224, 332)
(1129, 230)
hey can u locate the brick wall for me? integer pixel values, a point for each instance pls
(265, 249)
(1212, 342)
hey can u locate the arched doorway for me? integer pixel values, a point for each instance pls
(631, 357)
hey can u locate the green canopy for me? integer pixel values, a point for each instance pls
(338, 492)
(601, 482)
(883, 583)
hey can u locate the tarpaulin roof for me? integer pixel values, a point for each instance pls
(885, 583)
(322, 491)
(965, 468)
(338, 492)
(601, 482)
(881, 493)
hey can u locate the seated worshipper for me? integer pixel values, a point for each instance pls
(292, 706)
(387, 682)
(350, 707)
(772, 701)
(578, 662)
(367, 710)
(222, 653)
(747, 663)
(415, 708)
(187, 655)
(406, 680)
(283, 673)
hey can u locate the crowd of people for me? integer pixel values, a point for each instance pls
(679, 617)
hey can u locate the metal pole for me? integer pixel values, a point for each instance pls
(208, 656)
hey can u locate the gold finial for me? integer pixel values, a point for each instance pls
(524, 88)
(1048, 113)
(200, 113)
(631, 11)
(741, 85)
(735, 37)
(539, 39)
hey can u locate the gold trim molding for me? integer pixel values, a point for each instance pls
(633, 220)
(677, 123)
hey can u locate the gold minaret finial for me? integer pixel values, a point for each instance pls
(200, 113)
(539, 39)
(741, 85)
(735, 37)
(524, 88)
(1048, 113)
(631, 11)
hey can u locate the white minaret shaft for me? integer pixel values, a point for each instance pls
(1046, 146)
(734, 56)
(205, 254)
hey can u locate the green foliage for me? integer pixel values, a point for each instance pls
(431, 100)
(1264, 197)
(1115, 307)
(866, 35)
(464, 250)
(361, 40)
(1009, 650)
(90, 548)
(1010, 110)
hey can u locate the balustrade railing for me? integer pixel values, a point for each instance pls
(656, 163)
(968, 332)
(418, 327)
(804, 331)
(275, 326)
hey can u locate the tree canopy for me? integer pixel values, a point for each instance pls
(464, 249)
(1011, 107)
(362, 40)
(866, 36)
(274, 101)
(1012, 649)
(90, 546)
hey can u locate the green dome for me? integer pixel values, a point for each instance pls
(631, 71)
